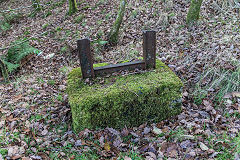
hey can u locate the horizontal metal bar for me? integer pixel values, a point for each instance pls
(99, 71)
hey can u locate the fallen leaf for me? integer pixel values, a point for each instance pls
(127, 158)
(107, 146)
(26, 158)
(203, 146)
(236, 94)
(152, 155)
(228, 95)
(16, 157)
(157, 131)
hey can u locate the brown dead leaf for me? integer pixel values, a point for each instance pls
(26, 158)
(16, 98)
(173, 153)
(43, 155)
(165, 129)
(236, 94)
(16, 157)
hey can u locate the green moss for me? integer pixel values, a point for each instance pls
(124, 100)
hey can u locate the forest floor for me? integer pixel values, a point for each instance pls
(35, 116)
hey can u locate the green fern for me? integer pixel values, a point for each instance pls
(10, 66)
(12, 60)
(19, 50)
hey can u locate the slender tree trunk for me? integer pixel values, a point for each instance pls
(113, 35)
(4, 71)
(194, 10)
(72, 7)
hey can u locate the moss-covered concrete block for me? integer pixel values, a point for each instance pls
(124, 100)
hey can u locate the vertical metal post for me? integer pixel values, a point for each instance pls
(86, 58)
(149, 49)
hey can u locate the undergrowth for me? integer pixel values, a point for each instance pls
(227, 147)
(218, 80)
(8, 19)
(19, 50)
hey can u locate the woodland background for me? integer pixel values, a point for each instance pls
(35, 118)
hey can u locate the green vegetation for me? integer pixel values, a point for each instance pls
(227, 146)
(13, 59)
(154, 96)
(8, 20)
(194, 10)
(72, 7)
(113, 35)
(131, 154)
(3, 152)
(215, 77)
(79, 18)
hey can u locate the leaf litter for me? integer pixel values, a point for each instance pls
(35, 116)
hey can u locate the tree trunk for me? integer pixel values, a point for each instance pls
(194, 10)
(72, 7)
(113, 35)
(4, 71)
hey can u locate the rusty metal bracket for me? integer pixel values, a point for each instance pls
(86, 58)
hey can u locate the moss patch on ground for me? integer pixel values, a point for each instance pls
(124, 100)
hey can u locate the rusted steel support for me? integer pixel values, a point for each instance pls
(99, 71)
(86, 58)
(149, 49)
